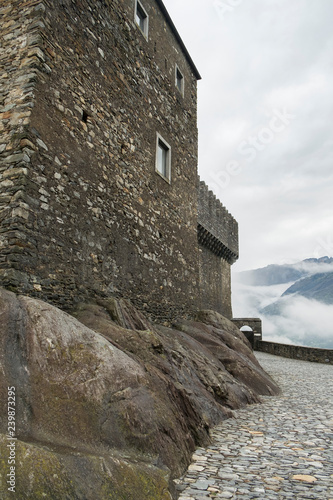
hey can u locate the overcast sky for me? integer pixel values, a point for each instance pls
(265, 119)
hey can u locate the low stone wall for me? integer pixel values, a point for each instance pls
(295, 351)
(254, 323)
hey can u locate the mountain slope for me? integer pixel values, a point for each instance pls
(271, 275)
(299, 312)
(318, 287)
(276, 274)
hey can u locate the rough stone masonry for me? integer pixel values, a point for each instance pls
(98, 160)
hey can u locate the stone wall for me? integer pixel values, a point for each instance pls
(104, 221)
(83, 212)
(295, 351)
(218, 250)
(22, 63)
(254, 323)
(215, 282)
(218, 230)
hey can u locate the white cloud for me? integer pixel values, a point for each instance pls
(262, 56)
(248, 300)
(301, 321)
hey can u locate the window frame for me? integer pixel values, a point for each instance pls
(137, 8)
(182, 80)
(167, 148)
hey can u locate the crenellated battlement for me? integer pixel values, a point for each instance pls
(217, 229)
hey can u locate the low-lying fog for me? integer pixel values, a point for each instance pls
(301, 321)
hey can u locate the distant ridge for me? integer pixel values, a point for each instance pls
(312, 278)
(276, 274)
(318, 287)
(295, 301)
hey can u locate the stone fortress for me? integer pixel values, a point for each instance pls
(100, 198)
(99, 192)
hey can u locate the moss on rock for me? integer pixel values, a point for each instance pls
(41, 472)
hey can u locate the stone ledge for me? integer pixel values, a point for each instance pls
(313, 354)
(208, 240)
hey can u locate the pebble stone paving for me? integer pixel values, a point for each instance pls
(281, 449)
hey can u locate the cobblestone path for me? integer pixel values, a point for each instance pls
(280, 449)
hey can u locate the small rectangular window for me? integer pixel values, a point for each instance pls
(163, 158)
(141, 18)
(179, 81)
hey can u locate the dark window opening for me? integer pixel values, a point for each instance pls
(141, 18)
(179, 81)
(163, 158)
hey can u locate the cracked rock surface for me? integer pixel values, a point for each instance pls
(110, 405)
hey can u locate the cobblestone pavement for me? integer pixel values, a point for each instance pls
(280, 449)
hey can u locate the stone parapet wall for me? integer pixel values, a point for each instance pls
(217, 229)
(295, 352)
(254, 323)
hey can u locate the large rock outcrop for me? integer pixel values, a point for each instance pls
(109, 405)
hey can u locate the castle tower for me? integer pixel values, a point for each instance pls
(98, 155)
(218, 250)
